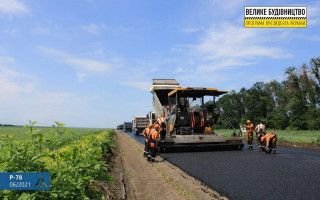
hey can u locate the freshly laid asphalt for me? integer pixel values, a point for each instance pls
(289, 174)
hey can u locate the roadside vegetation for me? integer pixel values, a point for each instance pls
(72, 133)
(293, 104)
(75, 161)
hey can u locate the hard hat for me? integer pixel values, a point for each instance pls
(248, 121)
(150, 125)
(156, 126)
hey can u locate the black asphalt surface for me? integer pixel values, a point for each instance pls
(244, 175)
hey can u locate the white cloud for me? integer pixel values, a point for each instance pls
(223, 64)
(84, 66)
(50, 98)
(10, 90)
(228, 8)
(199, 79)
(229, 41)
(178, 70)
(192, 30)
(313, 14)
(13, 32)
(141, 85)
(6, 73)
(14, 84)
(81, 76)
(264, 78)
(19, 94)
(138, 77)
(40, 30)
(226, 48)
(94, 28)
(6, 59)
(12, 7)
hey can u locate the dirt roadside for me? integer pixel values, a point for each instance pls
(158, 180)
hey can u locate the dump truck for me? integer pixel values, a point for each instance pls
(127, 126)
(139, 123)
(120, 127)
(188, 121)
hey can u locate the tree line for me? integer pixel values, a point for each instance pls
(293, 104)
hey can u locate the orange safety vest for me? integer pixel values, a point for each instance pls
(154, 135)
(146, 133)
(153, 138)
(250, 130)
(268, 137)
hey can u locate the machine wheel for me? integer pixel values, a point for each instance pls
(238, 147)
(162, 150)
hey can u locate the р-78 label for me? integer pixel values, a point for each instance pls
(24, 181)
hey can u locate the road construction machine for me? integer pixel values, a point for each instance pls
(188, 120)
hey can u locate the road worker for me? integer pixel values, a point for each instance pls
(162, 123)
(153, 143)
(270, 141)
(146, 133)
(260, 131)
(249, 127)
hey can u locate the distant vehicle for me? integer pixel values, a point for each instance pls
(120, 127)
(139, 123)
(188, 122)
(127, 126)
(151, 116)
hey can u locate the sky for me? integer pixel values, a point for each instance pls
(90, 63)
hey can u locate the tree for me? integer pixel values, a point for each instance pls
(315, 71)
(297, 99)
(292, 104)
(232, 109)
(277, 116)
(257, 103)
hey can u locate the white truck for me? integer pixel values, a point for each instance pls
(139, 123)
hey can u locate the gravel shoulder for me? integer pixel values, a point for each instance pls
(158, 180)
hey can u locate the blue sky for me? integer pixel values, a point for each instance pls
(90, 63)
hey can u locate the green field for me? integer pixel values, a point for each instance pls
(285, 136)
(74, 157)
(73, 133)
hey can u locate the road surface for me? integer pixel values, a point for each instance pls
(244, 175)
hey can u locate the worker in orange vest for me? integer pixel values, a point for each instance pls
(250, 128)
(153, 143)
(146, 132)
(260, 131)
(270, 141)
